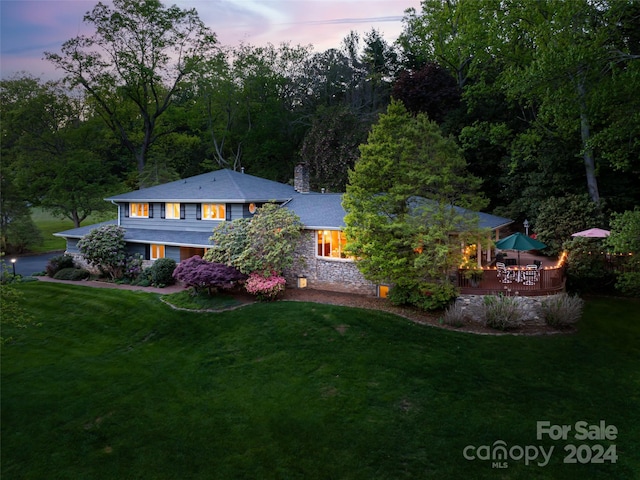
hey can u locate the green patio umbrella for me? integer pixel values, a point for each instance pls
(519, 242)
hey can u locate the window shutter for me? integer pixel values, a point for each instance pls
(227, 213)
(199, 211)
(163, 211)
(125, 206)
(151, 210)
(182, 212)
(147, 252)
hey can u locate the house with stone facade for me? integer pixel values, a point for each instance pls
(176, 220)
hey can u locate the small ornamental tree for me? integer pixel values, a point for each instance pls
(104, 247)
(230, 240)
(199, 273)
(265, 244)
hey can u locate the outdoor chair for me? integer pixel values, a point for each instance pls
(504, 275)
(530, 275)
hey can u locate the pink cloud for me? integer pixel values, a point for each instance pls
(28, 28)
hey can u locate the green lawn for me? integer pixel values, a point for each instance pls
(48, 225)
(117, 385)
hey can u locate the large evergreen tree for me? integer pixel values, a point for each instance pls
(401, 224)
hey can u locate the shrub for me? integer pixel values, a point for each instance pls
(587, 269)
(71, 274)
(56, 264)
(501, 313)
(628, 283)
(454, 315)
(625, 239)
(425, 296)
(265, 288)
(161, 272)
(561, 310)
(104, 247)
(132, 267)
(22, 233)
(199, 273)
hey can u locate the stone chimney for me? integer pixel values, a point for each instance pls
(301, 178)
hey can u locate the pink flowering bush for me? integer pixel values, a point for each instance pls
(265, 288)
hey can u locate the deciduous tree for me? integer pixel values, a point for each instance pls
(139, 56)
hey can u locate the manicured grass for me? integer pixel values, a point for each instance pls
(116, 384)
(201, 301)
(48, 225)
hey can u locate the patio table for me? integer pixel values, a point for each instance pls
(516, 274)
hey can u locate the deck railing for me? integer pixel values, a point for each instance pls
(549, 280)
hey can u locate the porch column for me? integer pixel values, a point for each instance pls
(479, 255)
(489, 249)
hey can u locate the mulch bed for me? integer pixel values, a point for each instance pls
(413, 314)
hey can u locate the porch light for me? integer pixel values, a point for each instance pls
(383, 291)
(526, 227)
(302, 281)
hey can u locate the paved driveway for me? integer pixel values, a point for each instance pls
(29, 264)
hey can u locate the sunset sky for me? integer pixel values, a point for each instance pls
(30, 27)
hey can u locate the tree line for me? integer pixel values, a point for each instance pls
(539, 95)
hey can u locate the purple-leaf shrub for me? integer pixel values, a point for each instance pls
(265, 288)
(199, 273)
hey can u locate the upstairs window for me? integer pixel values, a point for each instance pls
(331, 244)
(172, 210)
(139, 210)
(213, 211)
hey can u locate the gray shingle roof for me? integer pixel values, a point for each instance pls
(82, 231)
(318, 211)
(219, 186)
(143, 235)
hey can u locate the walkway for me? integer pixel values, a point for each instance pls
(120, 286)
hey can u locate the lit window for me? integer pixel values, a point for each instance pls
(172, 210)
(139, 210)
(213, 211)
(157, 251)
(331, 244)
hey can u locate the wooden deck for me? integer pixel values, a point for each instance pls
(551, 279)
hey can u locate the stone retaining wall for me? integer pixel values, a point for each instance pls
(470, 303)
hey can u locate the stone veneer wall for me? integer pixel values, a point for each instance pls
(335, 275)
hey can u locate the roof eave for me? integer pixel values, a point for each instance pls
(198, 200)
